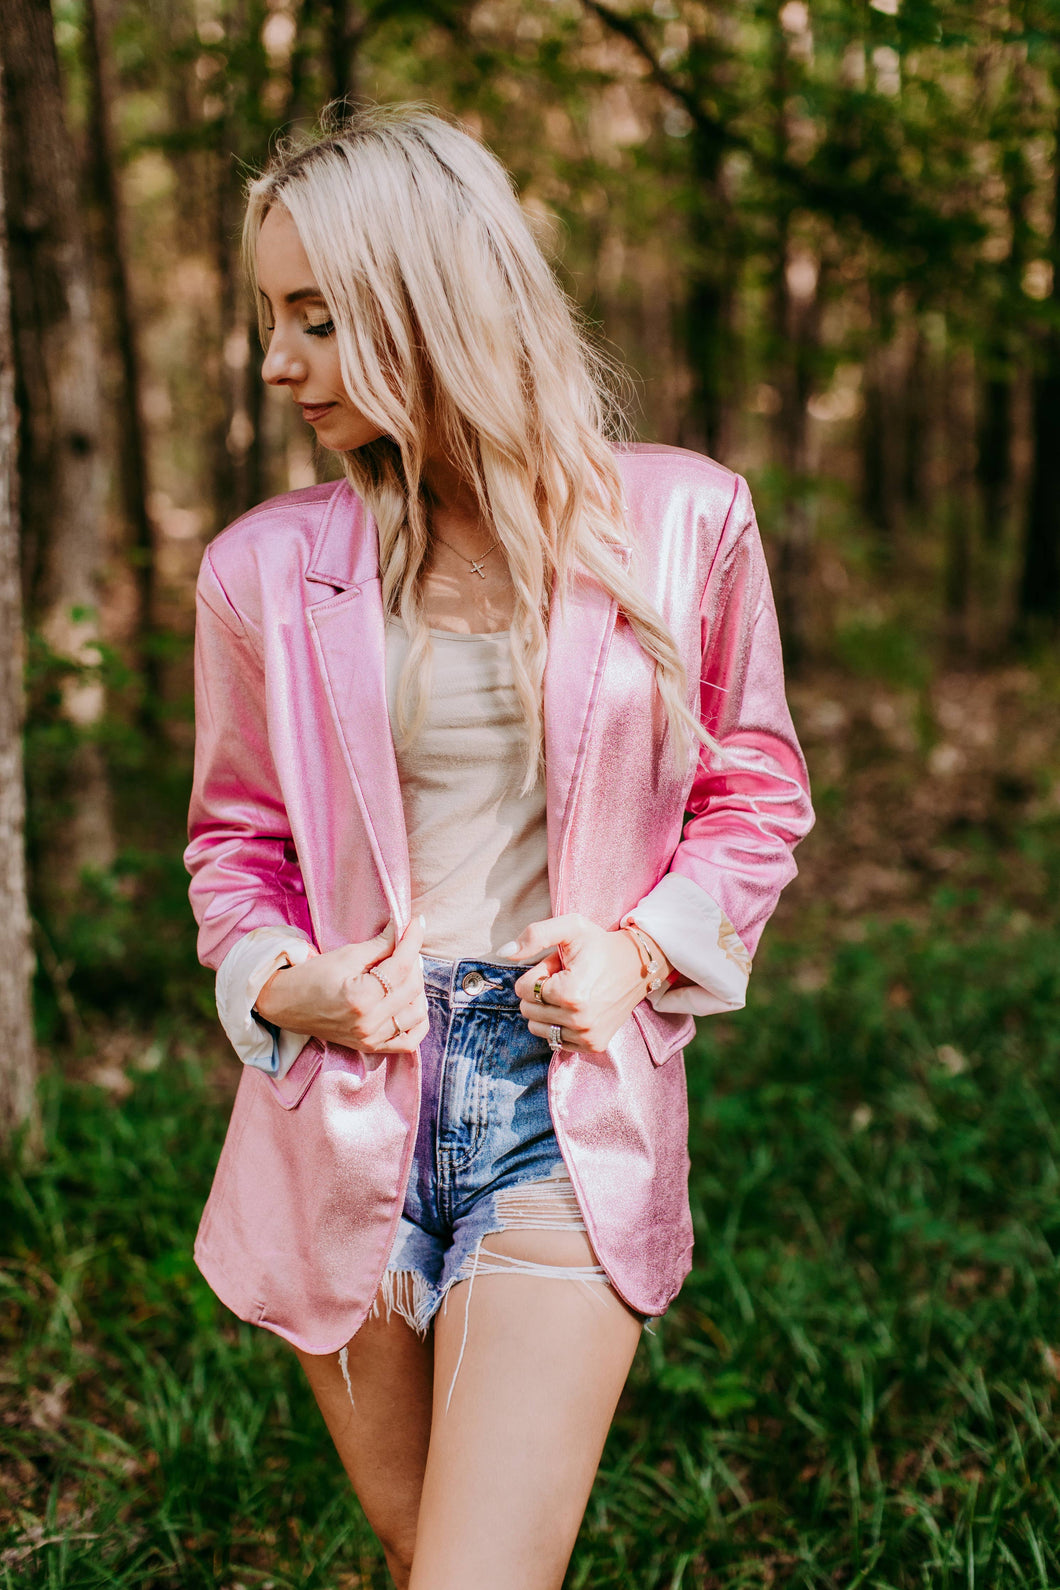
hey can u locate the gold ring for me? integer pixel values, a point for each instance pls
(381, 980)
(398, 1029)
(538, 986)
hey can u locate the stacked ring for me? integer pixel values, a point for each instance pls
(555, 1038)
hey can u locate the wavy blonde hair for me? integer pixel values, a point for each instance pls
(452, 329)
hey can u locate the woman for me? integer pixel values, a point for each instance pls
(451, 715)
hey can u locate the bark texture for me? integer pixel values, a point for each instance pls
(59, 400)
(132, 451)
(343, 44)
(795, 310)
(1039, 587)
(18, 1068)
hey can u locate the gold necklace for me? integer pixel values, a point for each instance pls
(476, 563)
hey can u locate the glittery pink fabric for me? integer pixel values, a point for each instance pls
(296, 817)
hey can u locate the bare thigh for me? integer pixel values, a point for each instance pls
(382, 1432)
(517, 1435)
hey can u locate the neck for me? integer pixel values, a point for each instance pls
(453, 509)
(448, 492)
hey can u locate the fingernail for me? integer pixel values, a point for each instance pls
(509, 951)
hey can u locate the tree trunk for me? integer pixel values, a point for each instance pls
(959, 522)
(132, 448)
(242, 140)
(58, 394)
(881, 434)
(917, 415)
(18, 1060)
(993, 465)
(301, 62)
(709, 303)
(707, 322)
(1038, 599)
(342, 45)
(1003, 346)
(796, 312)
(1039, 588)
(794, 307)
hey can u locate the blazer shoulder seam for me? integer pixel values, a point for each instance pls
(232, 619)
(739, 488)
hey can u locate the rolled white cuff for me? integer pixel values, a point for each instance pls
(699, 941)
(240, 978)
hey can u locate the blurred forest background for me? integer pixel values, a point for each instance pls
(824, 238)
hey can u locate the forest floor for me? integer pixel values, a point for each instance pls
(858, 1385)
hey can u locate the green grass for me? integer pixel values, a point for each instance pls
(857, 1386)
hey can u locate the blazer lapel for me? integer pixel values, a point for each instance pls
(349, 637)
(579, 638)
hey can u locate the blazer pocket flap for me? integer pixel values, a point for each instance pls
(291, 1088)
(664, 1031)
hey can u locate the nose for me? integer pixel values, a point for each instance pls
(282, 366)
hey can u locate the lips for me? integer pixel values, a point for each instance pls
(315, 411)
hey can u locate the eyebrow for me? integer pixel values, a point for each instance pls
(298, 296)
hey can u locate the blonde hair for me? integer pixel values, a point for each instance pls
(452, 329)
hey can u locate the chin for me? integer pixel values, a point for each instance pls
(346, 438)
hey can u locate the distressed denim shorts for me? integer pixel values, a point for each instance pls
(486, 1157)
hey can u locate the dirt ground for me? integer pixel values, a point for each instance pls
(953, 785)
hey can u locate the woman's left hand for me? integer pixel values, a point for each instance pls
(589, 982)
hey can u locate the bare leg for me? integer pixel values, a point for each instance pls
(381, 1435)
(513, 1457)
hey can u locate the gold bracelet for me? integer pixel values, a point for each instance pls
(649, 962)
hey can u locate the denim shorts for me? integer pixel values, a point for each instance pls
(486, 1157)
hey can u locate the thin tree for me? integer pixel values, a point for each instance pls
(795, 326)
(18, 1062)
(1039, 586)
(59, 401)
(344, 29)
(132, 444)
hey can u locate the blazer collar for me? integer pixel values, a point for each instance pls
(346, 549)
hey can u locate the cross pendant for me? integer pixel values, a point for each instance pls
(476, 568)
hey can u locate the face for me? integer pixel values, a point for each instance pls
(303, 354)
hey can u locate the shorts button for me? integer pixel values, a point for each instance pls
(473, 983)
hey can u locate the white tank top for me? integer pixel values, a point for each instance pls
(478, 848)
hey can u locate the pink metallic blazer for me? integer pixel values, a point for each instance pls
(296, 818)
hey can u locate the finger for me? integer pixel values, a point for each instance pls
(549, 983)
(403, 1043)
(537, 937)
(406, 955)
(371, 951)
(566, 988)
(568, 1039)
(407, 1016)
(539, 973)
(394, 1016)
(399, 976)
(546, 1015)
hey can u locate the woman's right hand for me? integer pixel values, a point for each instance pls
(335, 997)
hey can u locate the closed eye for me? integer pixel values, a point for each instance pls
(324, 329)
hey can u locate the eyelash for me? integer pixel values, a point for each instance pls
(326, 328)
